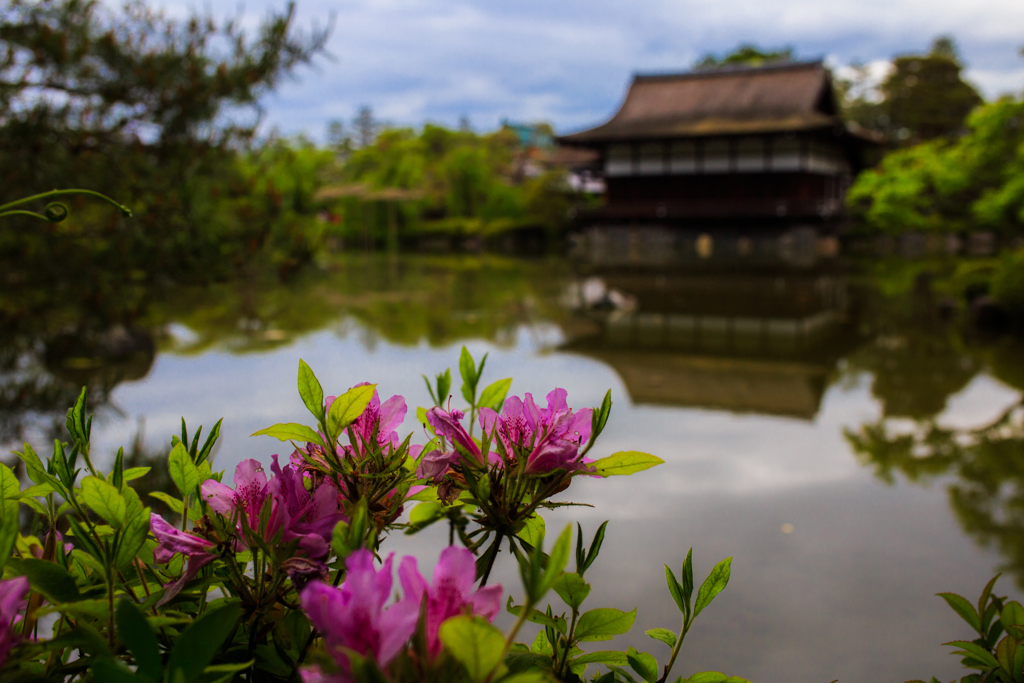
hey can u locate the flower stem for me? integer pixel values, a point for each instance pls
(492, 556)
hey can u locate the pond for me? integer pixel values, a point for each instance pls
(831, 427)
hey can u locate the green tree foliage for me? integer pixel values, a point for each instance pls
(974, 181)
(145, 108)
(448, 181)
(746, 54)
(923, 97)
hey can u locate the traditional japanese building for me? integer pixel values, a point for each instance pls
(725, 146)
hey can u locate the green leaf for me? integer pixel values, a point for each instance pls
(290, 432)
(136, 473)
(76, 417)
(519, 661)
(139, 638)
(713, 585)
(10, 490)
(183, 471)
(211, 441)
(175, 504)
(52, 580)
(536, 616)
(625, 462)
(110, 671)
(557, 560)
(136, 531)
(311, 392)
(1012, 614)
(104, 499)
(444, 385)
(662, 634)
(675, 589)
(977, 651)
(34, 466)
(37, 491)
(964, 608)
(595, 546)
(494, 395)
(533, 531)
(347, 407)
(195, 648)
(475, 643)
(1005, 651)
(601, 657)
(688, 580)
(467, 368)
(10, 487)
(425, 514)
(707, 677)
(572, 589)
(603, 623)
(8, 529)
(644, 664)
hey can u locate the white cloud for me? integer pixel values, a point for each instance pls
(570, 62)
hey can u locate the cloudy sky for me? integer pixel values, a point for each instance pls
(569, 61)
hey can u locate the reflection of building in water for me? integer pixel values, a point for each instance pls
(739, 341)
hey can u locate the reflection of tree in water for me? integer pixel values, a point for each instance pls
(917, 360)
(437, 299)
(54, 342)
(988, 494)
(921, 357)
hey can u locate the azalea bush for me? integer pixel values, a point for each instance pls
(997, 654)
(284, 575)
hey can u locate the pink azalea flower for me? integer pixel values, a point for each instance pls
(385, 418)
(12, 601)
(552, 435)
(434, 464)
(309, 517)
(299, 514)
(247, 497)
(172, 541)
(353, 616)
(450, 593)
(448, 425)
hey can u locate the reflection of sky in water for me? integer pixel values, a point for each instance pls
(848, 594)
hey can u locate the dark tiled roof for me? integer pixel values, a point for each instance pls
(774, 98)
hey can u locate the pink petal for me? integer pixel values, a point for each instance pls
(314, 546)
(457, 566)
(552, 453)
(413, 583)
(384, 581)
(219, 497)
(323, 605)
(487, 601)
(532, 413)
(397, 624)
(488, 420)
(12, 598)
(392, 412)
(195, 563)
(556, 401)
(513, 407)
(173, 541)
(313, 674)
(250, 472)
(581, 425)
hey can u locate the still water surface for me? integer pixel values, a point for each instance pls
(818, 424)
